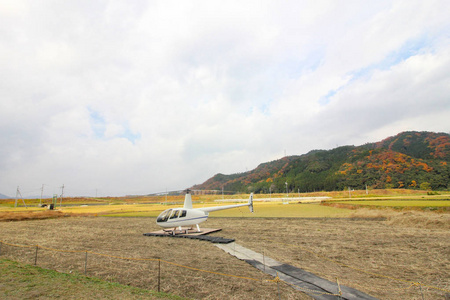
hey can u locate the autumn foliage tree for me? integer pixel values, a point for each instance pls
(408, 160)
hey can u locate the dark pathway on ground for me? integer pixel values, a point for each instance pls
(314, 286)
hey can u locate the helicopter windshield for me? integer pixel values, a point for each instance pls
(164, 216)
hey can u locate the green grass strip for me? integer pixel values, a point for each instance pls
(22, 281)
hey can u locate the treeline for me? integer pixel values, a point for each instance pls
(417, 160)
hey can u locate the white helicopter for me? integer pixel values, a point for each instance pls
(188, 216)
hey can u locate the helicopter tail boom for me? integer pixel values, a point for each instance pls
(216, 208)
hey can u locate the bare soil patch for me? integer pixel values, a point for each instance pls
(380, 258)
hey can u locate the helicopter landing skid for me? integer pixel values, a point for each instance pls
(202, 235)
(186, 231)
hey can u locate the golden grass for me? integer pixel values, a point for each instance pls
(330, 209)
(419, 218)
(262, 210)
(280, 210)
(337, 207)
(441, 206)
(401, 203)
(21, 209)
(108, 209)
(207, 198)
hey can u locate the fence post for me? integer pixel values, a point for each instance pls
(159, 275)
(35, 257)
(421, 291)
(85, 263)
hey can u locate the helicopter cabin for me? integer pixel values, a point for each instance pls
(171, 214)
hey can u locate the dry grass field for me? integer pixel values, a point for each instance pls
(262, 209)
(378, 257)
(122, 237)
(378, 252)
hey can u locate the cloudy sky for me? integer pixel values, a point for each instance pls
(135, 97)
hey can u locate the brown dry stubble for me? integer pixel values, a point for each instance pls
(389, 248)
(410, 253)
(122, 237)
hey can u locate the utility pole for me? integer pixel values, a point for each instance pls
(17, 194)
(42, 191)
(62, 194)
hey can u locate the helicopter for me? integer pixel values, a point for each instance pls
(188, 216)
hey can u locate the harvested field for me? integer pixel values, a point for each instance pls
(37, 215)
(123, 237)
(379, 257)
(32, 215)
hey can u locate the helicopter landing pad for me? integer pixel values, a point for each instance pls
(184, 231)
(202, 235)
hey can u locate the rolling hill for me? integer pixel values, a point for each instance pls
(408, 160)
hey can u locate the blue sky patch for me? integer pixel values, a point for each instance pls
(131, 136)
(410, 48)
(326, 99)
(98, 124)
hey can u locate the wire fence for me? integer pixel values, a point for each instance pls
(159, 274)
(156, 273)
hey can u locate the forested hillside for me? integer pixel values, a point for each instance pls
(407, 160)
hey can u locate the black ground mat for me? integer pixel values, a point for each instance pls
(316, 283)
(316, 287)
(212, 239)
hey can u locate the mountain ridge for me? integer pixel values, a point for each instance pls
(410, 159)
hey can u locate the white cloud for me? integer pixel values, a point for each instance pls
(131, 98)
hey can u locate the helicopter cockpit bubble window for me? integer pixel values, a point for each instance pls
(175, 214)
(183, 214)
(164, 216)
